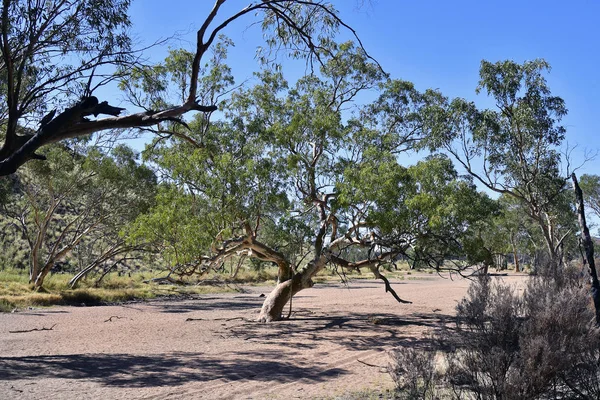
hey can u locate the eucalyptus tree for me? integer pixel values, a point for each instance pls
(74, 205)
(310, 158)
(56, 53)
(513, 150)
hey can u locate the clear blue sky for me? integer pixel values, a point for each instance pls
(437, 44)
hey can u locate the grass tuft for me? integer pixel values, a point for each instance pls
(6, 306)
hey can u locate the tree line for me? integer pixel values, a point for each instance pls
(303, 174)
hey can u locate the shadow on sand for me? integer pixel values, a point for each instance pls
(124, 370)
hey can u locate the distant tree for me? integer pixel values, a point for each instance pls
(55, 53)
(518, 231)
(13, 246)
(514, 149)
(73, 203)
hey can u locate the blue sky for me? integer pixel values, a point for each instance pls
(435, 44)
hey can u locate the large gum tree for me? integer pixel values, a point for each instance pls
(309, 157)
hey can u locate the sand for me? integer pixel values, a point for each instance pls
(209, 347)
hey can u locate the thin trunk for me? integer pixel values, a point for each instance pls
(485, 269)
(547, 229)
(75, 280)
(588, 246)
(97, 283)
(515, 254)
(33, 268)
(39, 279)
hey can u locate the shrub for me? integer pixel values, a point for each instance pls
(414, 373)
(541, 344)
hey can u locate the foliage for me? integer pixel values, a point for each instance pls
(590, 185)
(304, 176)
(57, 53)
(414, 374)
(513, 150)
(15, 292)
(283, 149)
(72, 207)
(52, 47)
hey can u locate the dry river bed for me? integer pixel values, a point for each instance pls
(209, 347)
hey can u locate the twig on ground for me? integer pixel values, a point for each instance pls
(113, 316)
(369, 365)
(34, 330)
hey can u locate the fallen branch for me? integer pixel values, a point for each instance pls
(370, 365)
(113, 316)
(231, 319)
(165, 279)
(34, 330)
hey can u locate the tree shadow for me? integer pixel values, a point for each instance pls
(237, 303)
(173, 369)
(354, 331)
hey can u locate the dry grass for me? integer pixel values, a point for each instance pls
(16, 292)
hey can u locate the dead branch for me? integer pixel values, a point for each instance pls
(34, 330)
(388, 288)
(370, 365)
(113, 316)
(588, 246)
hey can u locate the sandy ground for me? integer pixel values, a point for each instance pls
(209, 347)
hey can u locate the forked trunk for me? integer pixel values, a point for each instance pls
(284, 272)
(272, 309)
(39, 279)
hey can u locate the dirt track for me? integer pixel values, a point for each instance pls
(154, 351)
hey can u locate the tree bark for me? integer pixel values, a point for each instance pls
(273, 305)
(272, 309)
(588, 247)
(39, 280)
